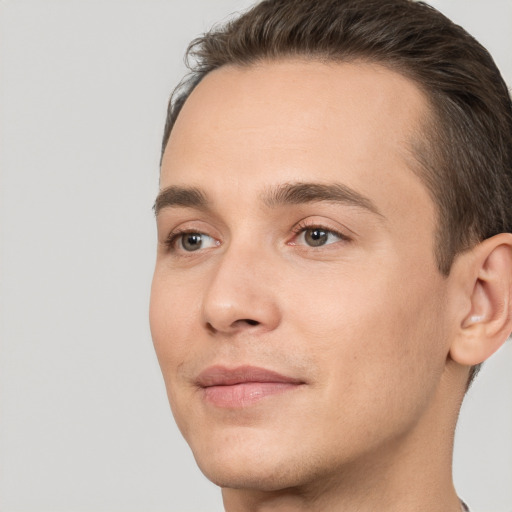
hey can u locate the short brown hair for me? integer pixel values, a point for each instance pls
(465, 156)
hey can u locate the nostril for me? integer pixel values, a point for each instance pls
(237, 324)
(210, 327)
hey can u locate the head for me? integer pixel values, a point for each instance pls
(335, 195)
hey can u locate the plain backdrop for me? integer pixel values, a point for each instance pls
(84, 420)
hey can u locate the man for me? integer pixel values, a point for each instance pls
(335, 256)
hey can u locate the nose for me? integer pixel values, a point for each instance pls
(241, 295)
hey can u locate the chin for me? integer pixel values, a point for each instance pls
(247, 479)
(265, 478)
(262, 466)
(238, 463)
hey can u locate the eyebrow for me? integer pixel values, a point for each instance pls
(301, 193)
(184, 197)
(273, 197)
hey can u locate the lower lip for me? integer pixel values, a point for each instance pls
(245, 393)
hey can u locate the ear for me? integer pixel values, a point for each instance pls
(485, 320)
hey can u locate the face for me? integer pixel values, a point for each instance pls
(297, 311)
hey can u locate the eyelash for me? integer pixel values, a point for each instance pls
(306, 225)
(302, 226)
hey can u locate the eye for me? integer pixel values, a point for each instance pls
(191, 241)
(318, 236)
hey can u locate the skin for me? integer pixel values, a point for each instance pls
(376, 336)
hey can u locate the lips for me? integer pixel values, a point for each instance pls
(242, 386)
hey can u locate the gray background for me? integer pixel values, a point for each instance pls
(84, 421)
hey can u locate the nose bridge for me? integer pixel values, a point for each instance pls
(240, 293)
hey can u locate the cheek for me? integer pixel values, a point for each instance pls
(173, 321)
(172, 315)
(372, 335)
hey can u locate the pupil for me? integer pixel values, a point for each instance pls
(316, 237)
(192, 242)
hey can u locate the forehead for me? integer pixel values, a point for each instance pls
(244, 128)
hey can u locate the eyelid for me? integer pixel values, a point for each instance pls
(306, 224)
(173, 237)
(171, 234)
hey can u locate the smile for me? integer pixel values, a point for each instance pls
(242, 386)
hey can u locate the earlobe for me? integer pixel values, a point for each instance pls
(488, 322)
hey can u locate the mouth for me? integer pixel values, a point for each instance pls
(242, 386)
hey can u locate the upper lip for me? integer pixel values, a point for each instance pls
(223, 376)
